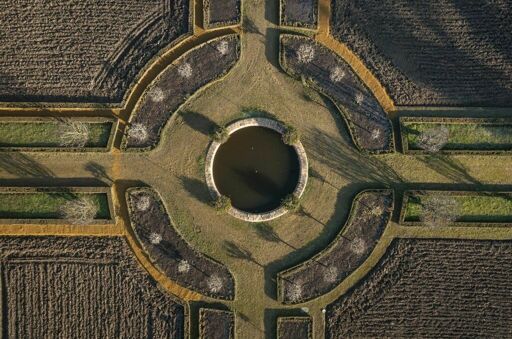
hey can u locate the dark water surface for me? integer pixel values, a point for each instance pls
(256, 169)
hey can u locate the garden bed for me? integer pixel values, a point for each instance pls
(43, 205)
(432, 53)
(299, 13)
(218, 13)
(429, 288)
(369, 215)
(175, 85)
(305, 59)
(170, 252)
(81, 52)
(294, 328)
(466, 135)
(472, 208)
(83, 287)
(46, 134)
(216, 324)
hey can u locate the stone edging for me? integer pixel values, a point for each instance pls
(278, 127)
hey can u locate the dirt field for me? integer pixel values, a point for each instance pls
(216, 324)
(222, 12)
(77, 51)
(294, 328)
(82, 287)
(432, 52)
(430, 288)
(302, 13)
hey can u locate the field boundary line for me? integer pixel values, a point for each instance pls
(324, 36)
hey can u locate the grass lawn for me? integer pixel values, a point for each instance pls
(465, 136)
(46, 134)
(472, 208)
(46, 205)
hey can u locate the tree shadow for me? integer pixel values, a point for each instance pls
(449, 167)
(22, 165)
(196, 188)
(199, 122)
(250, 27)
(98, 171)
(238, 252)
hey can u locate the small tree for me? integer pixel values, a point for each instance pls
(331, 274)
(290, 136)
(223, 47)
(80, 211)
(73, 133)
(305, 53)
(138, 132)
(155, 238)
(183, 266)
(142, 203)
(156, 94)
(291, 202)
(221, 135)
(185, 70)
(433, 139)
(215, 283)
(222, 204)
(439, 211)
(337, 74)
(358, 246)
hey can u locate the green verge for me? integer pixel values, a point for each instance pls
(490, 207)
(42, 205)
(464, 136)
(46, 134)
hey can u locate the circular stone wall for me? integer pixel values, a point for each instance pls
(256, 169)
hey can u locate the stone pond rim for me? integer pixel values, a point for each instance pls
(292, 172)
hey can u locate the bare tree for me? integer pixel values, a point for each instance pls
(138, 132)
(73, 133)
(305, 53)
(215, 283)
(183, 266)
(223, 47)
(337, 74)
(80, 211)
(155, 238)
(331, 274)
(185, 70)
(142, 203)
(156, 94)
(433, 139)
(439, 210)
(295, 291)
(358, 246)
(359, 98)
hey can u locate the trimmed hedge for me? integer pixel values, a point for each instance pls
(175, 85)
(172, 254)
(216, 324)
(294, 328)
(38, 134)
(369, 215)
(299, 13)
(41, 205)
(319, 67)
(475, 208)
(220, 13)
(467, 135)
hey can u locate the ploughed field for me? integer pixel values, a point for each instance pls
(430, 288)
(82, 51)
(443, 52)
(82, 287)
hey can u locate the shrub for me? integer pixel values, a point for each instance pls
(215, 283)
(305, 53)
(80, 211)
(155, 238)
(433, 139)
(142, 203)
(138, 132)
(290, 136)
(291, 202)
(221, 135)
(73, 133)
(222, 204)
(439, 211)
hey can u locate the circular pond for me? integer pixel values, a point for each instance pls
(256, 169)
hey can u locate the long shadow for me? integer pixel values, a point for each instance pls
(272, 47)
(196, 188)
(236, 251)
(99, 172)
(199, 122)
(22, 165)
(449, 168)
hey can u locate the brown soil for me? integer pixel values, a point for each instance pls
(222, 12)
(432, 52)
(294, 328)
(176, 88)
(216, 324)
(370, 213)
(172, 253)
(430, 288)
(82, 287)
(369, 125)
(77, 51)
(302, 13)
